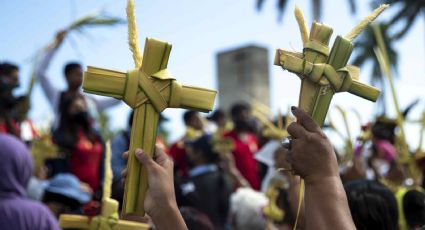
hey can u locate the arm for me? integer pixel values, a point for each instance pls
(51, 92)
(312, 157)
(326, 205)
(228, 165)
(103, 103)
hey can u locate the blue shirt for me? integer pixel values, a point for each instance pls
(119, 145)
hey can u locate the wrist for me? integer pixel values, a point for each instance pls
(321, 180)
(169, 218)
(166, 209)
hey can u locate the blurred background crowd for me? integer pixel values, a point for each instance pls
(230, 169)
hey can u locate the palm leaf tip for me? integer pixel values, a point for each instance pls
(365, 22)
(95, 20)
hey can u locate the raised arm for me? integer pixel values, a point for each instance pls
(47, 54)
(312, 157)
(103, 103)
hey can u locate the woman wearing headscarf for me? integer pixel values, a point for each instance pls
(16, 211)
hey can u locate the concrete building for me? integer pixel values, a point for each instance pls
(243, 75)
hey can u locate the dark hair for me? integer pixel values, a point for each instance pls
(195, 219)
(205, 145)
(7, 68)
(372, 205)
(66, 134)
(71, 66)
(238, 108)
(72, 204)
(283, 203)
(414, 208)
(217, 115)
(189, 115)
(384, 129)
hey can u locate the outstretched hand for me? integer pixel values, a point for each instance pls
(311, 154)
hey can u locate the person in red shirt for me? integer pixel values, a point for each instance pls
(245, 143)
(9, 80)
(194, 129)
(82, 145)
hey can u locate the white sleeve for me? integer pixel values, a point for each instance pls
(103, 103)
(50, 91)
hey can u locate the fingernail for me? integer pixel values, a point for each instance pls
(293, 108)
(138, 152)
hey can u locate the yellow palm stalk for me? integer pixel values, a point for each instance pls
(324, 71)
(108, 218)
(148, 89)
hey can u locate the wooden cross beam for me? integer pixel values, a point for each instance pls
(324, 71)
(148, 90)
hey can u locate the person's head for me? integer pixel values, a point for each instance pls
(195, 219)
(74, 75)
(384, 129)
(64, 194)
(9, 75)
(73, 111)
(414, 208)
(193, 120)
(242, 117)
(73, 116)
(15, 167)
(201, 151)
(219, 118)
(372, 205)
(246, 209)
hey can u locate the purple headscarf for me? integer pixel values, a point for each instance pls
(16, 211)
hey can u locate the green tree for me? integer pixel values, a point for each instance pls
(365, 53)
(409, 11)
(316, 7)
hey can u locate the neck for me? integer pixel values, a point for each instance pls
(72, 91)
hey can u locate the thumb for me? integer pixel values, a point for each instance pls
(145, 159)
(305, 120)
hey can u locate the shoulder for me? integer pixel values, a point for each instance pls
(33, 213)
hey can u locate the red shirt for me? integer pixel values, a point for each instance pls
(86, 160)
(244, 157)
(179, 156)
(4, 129)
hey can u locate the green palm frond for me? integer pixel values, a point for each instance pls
(281, 7)
(365, 54)
(410, 10)
(94, 19)
(316, 7)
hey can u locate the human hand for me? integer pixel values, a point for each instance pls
(311, 154)
(160, 195)
(356, 171)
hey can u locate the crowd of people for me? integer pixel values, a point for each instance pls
(223, 173)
